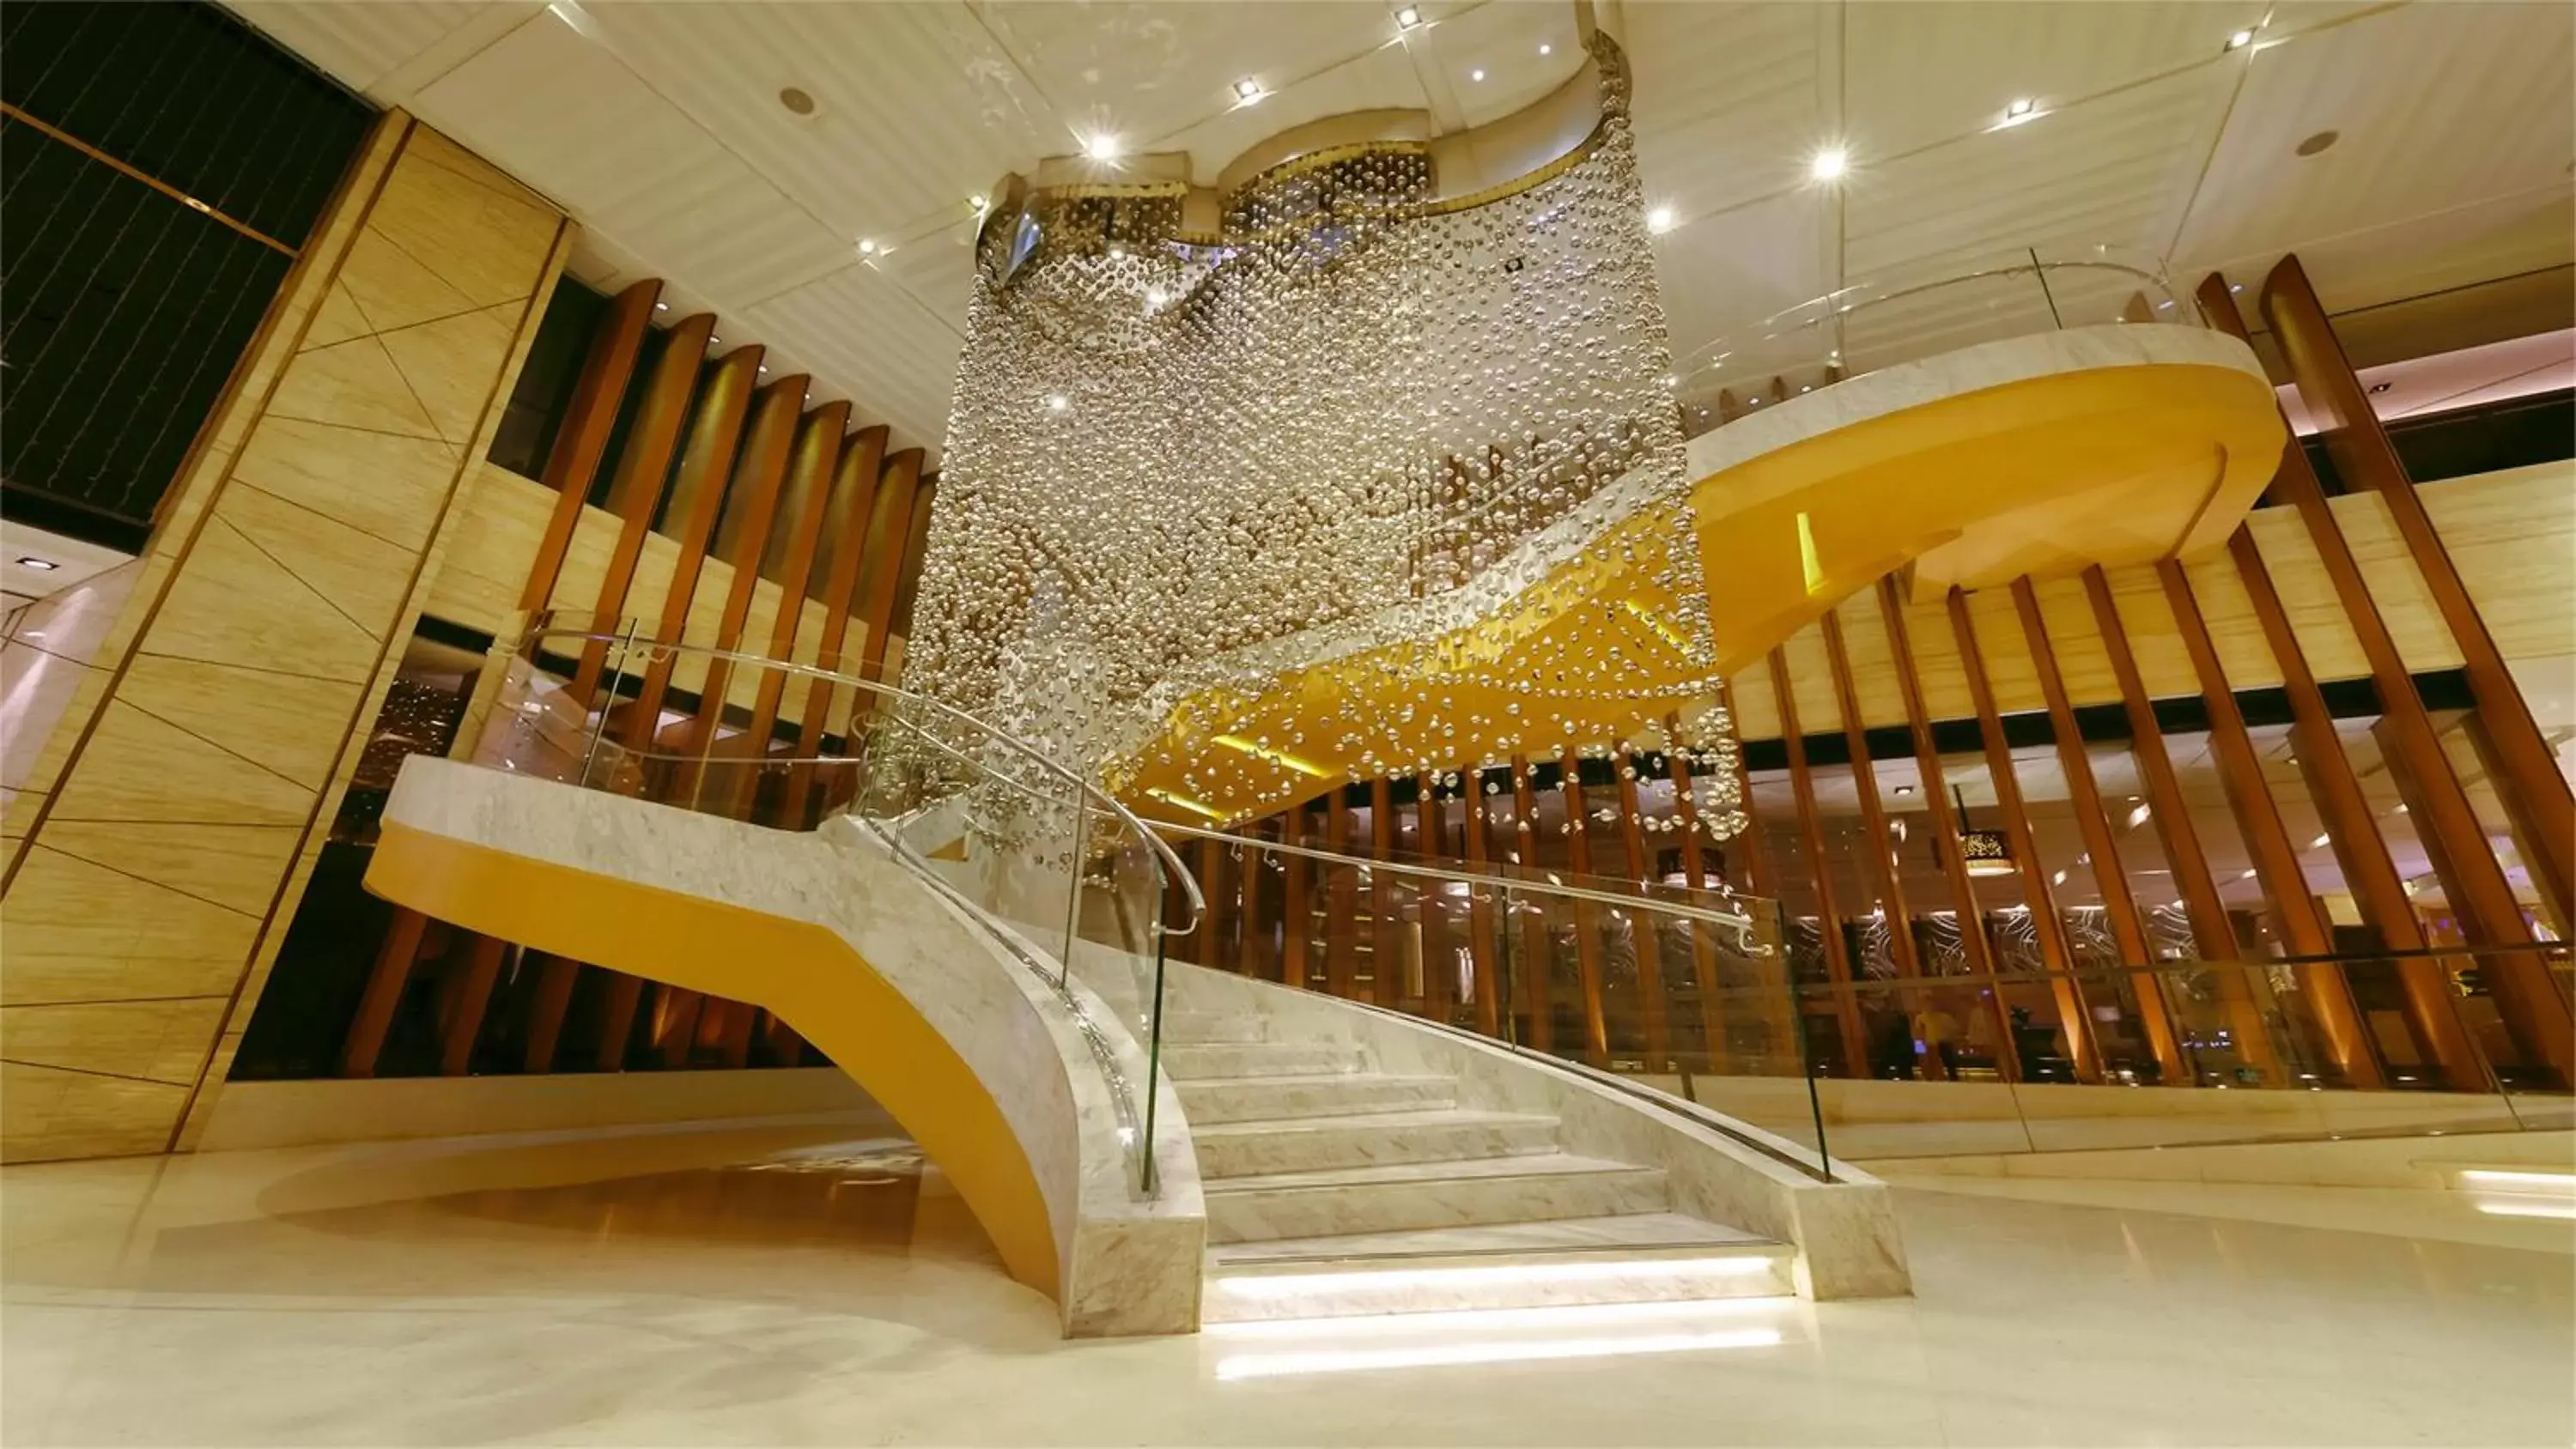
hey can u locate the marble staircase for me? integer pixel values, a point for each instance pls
(1335, 1188)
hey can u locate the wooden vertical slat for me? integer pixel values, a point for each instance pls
(2473, 882)
(1946, 825)
(848, 512)
(1712, 1009)
(2360, 852)
(2046, 926)
(797, 534)
(889, 535)
(463, 1019)
(2084, 797)
(1641, 925)
(1878, 843)
(1386, 966)
(1538, 948)
(2293, 907)
(1587, 924)
(2518, 758)
(697, 491)
(1341, 900)
(597, 394)
(636, 487)
(546, 1007)
(907, 588)
(1439, 963)
(676, 1010)
(1829, 918)
(2213, 936)
(1251, 953)
(617, 1002)
(394, 957)
(742, 538)
(1474, 843)
(1296, 911)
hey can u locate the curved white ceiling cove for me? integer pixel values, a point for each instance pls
(660, 127)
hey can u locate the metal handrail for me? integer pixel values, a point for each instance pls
(1471, 878)
(1822, 309)
(1169, 862)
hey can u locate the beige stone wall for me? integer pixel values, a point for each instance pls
(158, 841)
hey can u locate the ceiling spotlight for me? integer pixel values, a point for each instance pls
(1057, 402)
(661, 306)
(1475, 75)
(1660, 219)
(1102, 147)
(764, 369)
(714, 341)
(2240, 40)
(41, 565)
(867, 247)
(2019, 109)
(1247, 90)
(2247, 875)
(1904, 789)
(1828, 165)
(978, 202)
(1546, 49)
(2321, 842)
(1408, 17)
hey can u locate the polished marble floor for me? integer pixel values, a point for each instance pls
(777, 1286)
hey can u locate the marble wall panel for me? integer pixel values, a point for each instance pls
(260, 633)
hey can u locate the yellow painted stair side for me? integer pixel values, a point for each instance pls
(807, 974)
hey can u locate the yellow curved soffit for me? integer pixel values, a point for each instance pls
(809, 976)
(2111, 465)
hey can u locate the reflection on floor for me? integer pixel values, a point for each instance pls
(774, 1286)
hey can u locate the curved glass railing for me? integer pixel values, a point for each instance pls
(1062, 875)
(1921, 312)
(1643, 986)
(1727, 1002)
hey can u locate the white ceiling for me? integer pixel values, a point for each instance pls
(660, 127)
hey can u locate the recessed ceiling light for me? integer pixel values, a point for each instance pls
(867, 247)
(2019, 109)
(1247, 90)
(764, 368)
(2321, 842)
(2379, 387)
(1475, 75)
(1407, 18)
(1546, 49)
(1660, 219)
(2240, 40)
(978, 202)
(661, 306)
(41, 565)
(1103, 147)
(714, 341)
(2236, 286)
(796, 101)
(1904, 789)
(1057, 402)
(1828, 165)
(2247, 875)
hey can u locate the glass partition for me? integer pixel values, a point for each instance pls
(1067, 881)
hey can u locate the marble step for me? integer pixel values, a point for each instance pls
(1193, 1061)
(1635, 1258)
(1241, 1149)
(1183, 1028)
(1410, 1196)
(1252, 1099)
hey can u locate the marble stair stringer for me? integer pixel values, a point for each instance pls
(991, 1070)
(1609, 1172)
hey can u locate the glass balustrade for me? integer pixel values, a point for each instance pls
(1066, 880)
